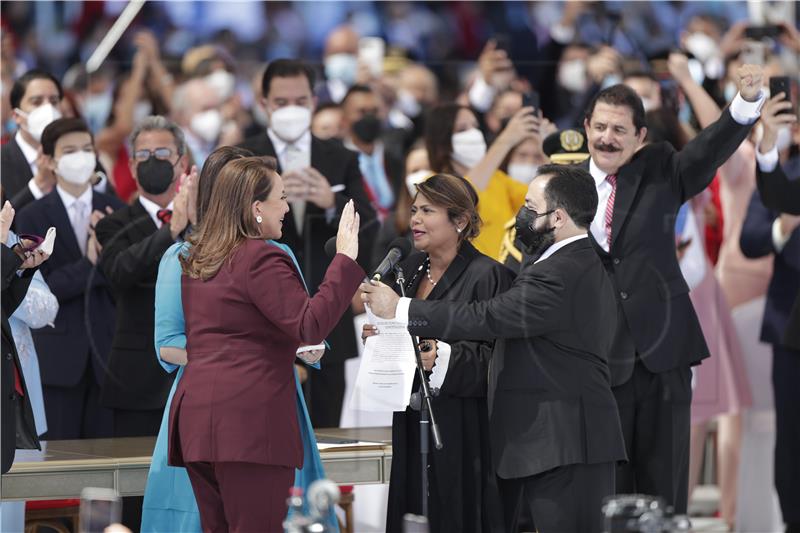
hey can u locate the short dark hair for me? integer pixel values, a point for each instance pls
(571, 188)
(326, 106)
(458, 197)
(439, 126)
(286, 68)
(620, 95)
(21, 85)
(57, 129)
(356, 89)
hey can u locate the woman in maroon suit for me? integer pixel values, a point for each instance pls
(233, 421)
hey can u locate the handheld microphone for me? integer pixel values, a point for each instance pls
(398, 250)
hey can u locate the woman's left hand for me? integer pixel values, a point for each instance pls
(428, 356)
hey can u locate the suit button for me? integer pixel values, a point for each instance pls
(616, 260)
(9, 356)
(623, 295)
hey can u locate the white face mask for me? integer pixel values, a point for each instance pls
(207, 125)
(701, 46)
(341, 67)
(223, 82)
(415, 178)
(290, 122)
(407, 104)
(572, 76)
(39, 118)
(76, 168)
(522, 172)
(469, 147)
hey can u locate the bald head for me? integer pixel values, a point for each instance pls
(342, 40)
(421, 83)
(193, 97)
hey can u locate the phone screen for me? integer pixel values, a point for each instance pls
(782, 84)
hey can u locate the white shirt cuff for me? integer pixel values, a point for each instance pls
(745, 112)
(35, 190)
(481, 95)
(440, 366)
(779, 240)
(769, 161)
(562, 34)
(401, 311)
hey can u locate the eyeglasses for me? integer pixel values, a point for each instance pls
(159, 153)
(536, 215)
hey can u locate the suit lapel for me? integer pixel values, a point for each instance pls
(629, 178)
(58, 217)
(20, 163)
(141, 221)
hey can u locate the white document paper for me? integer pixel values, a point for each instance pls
(387, 369)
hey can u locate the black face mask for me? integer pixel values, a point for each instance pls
(155, 175)
(534, 241)
(368, 128)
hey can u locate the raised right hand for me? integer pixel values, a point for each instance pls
(523, 124)
(347, 236)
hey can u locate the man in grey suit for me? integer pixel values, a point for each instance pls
(555, 429)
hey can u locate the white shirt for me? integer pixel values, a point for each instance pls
(152, 209)
(30, 154)
(303, 144)
(559, 245)
(78, 219)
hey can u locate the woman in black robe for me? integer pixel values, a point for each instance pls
(463, 494)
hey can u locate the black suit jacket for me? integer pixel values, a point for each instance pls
(85, 322)
(340, 167)
(14, 289)
(16, 173)
(780, 324)
(132, 249)
(778, 192)
(550, 399)
(657, 322)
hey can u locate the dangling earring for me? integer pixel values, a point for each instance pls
(259, 219)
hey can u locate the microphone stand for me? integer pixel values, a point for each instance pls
(427, 420)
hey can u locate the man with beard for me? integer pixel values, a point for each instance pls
(554, 424)
(658, 337)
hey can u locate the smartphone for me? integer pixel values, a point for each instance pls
(371, 51)
(99, 509)
(782, 84)
(531, 99)
(503, 42)
(758, 33)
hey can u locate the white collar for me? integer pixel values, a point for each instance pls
(153, 208)
(303, 142)
(67, 199)
(560, 244)
(28, 151)
(598, 174)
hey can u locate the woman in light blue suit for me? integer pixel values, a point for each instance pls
(169, 503)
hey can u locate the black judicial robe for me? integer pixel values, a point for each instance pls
(463, 494)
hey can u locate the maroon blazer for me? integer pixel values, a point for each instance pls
(236, 401)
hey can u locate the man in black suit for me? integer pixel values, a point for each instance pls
(18, 429)
(73, 354)
(555, 429)
(35, 99)
(640, 190)
(320, 177)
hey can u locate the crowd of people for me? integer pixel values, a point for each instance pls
(605, 231)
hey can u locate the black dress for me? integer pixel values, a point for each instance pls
(463, 494)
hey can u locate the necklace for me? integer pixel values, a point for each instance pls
(428, 272)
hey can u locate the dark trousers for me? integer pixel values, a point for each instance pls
(326, 394)
(567, 498)
(240, 497)
(786, 388)
(130, 423)
(654, 410)
(75, 412)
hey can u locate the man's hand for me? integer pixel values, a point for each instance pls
(180, 213)
(428, 356)
(772, 120)
(603, 63)
(495, 67)
(294, 185)
(189, 181)
(524, 124)
(6, 219)
(319, 190)
(750, 78)
(45, 178)
(93, 248)
(678, 65)
(382, 300)
(30, 259)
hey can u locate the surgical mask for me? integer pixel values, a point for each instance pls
(534, 241)
(368, 128)
(290, 122)
(39, 118)
(572, 76)
(415, 178)
(207, 125)
(701, 46)
(223, 82)
(469, 147)
(341, 67)
(155, 175)
(522, 172)
(141, 111)
(77, 168)
(97, 110)
(408, 104)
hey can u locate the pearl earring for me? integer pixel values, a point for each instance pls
(259, 219)
(458, 230)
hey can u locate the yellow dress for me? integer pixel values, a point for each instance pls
(497, 204)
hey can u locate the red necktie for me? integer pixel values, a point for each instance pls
(17, 380)
(164, 215)
(612, 179)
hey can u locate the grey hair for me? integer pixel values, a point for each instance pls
(158, 123)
